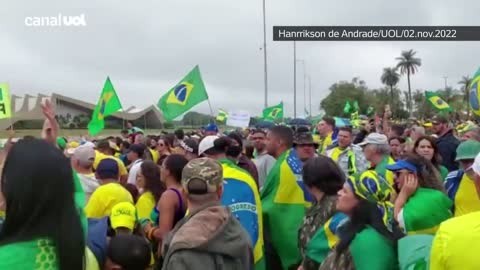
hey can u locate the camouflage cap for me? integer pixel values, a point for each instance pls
(205, 169)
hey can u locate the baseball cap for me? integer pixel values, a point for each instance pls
(476, 165)
(85, 154)
(139, 149)
(467, 150)
(439, 119)
(211, 127)
(189, 145)
(206, 143)
(124, 215)
(402, 165)
(206, 170)
(107, 169)
(374, 138)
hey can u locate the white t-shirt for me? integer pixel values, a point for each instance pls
(132, 175)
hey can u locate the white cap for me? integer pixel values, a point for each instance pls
(476, 165)
(374, 138)
(206, 143)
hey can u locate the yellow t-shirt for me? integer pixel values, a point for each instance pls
(145, 205)
(104, 198)
(155, 155)
(101, 156)
(466, 199)
(456, 244)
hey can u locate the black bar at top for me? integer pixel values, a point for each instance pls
(376, 33)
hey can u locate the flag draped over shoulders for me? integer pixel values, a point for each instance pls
(284, 201)
(325, 238)
(240, 193)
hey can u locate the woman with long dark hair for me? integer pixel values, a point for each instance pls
(323, 179)
(164, 148)
(150, 187)
(422, 203)
(172, 205)
(368, 240)
(42, 228)
(426, 147)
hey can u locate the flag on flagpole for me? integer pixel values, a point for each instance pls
(222, 115)
(182, 97)
(437, 102)
(356, 108)
(475, 93)
(273, 113)
(5, 102)
(347, 108)
(108, 103)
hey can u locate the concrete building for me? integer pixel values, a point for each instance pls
(74, 113)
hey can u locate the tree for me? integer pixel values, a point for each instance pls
(390, 77)
(409, 64)
(465, 82)
(341, 92)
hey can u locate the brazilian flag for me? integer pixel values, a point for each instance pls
(273, 113)
(437, 102)
(182, 97)
(222, 115)
(284, 201)
(475, 93)
(108, 104)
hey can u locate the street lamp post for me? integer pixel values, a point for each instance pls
(265, 56)
(304, 84)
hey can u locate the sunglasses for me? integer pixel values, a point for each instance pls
(306, 145)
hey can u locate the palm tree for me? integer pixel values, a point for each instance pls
(466, 81)
(390, 77)
(409, 64)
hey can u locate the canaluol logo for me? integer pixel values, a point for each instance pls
(56, 21)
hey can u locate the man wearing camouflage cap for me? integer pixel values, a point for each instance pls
(210, 237)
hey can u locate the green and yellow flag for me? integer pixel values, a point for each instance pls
(108, 104)
(273, 113)
(474, 96)
(5, 105)
(325, 238)
(284, 201)
(182, 97)
(222, 115)
(437, 102)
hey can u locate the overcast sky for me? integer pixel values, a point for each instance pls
(146, 47)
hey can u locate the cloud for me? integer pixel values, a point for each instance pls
(147, 47)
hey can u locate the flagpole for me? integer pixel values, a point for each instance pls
(294, 80)
(145, 122)
(265, 56)
(310, 94)
(211, 110)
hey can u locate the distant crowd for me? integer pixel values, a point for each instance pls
(384, 196)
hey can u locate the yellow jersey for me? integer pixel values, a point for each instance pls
(145, 205)
(104, 198)
(466, 198)
(457, 243)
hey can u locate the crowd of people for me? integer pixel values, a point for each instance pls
(384, 196)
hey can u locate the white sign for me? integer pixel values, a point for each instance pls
(238, 119)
